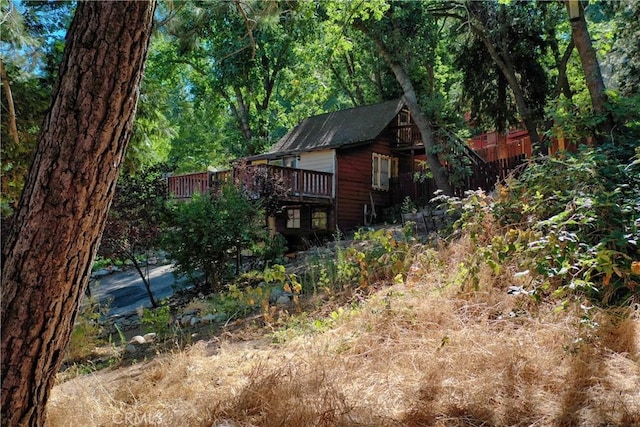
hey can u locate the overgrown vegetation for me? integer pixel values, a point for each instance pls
(424, 351)
(567, 226)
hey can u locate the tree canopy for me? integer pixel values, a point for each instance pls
(227, 78)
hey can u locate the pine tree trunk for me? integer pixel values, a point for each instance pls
(48, 254)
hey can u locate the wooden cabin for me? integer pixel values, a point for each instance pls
(343, 170)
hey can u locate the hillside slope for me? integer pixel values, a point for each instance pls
(421, 353)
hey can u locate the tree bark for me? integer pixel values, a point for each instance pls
(49, 252)
(439, 175)
(591, 69)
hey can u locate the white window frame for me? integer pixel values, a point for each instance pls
(379, 177)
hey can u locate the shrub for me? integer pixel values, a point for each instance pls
(87, 332)
(208, 232)
(570, 223)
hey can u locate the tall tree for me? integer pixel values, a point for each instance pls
(238, 51)
(135, 220)
(590, 64)
(394, 34)
(502, 59)
(30, 50)
(48, 254)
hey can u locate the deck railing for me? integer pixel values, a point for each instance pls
(185, 186)
(299, 182)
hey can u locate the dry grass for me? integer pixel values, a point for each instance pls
(418, 354)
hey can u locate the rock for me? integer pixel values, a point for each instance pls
(209, 318)
(278, 293)
(138, 339)
(283, 300)
(185, 320)
(130, 348)
(150, 337)
(194, 320)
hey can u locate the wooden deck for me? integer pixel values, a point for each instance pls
(186, 185)
(302, 184)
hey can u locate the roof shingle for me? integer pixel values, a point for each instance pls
(339, 129)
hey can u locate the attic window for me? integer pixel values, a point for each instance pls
(404, 118)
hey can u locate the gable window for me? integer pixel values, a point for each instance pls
(404, 118)
(293, 218)
(383, 168)
(319, 219)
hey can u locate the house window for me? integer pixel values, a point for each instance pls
(293, 218)
(290, 162)
(319, 219)
(384, 167)
(404, 118)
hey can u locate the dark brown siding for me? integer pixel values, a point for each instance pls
(353, 183)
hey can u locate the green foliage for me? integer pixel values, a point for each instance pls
(236, 302)
(157, 320)
(381, 256)
(277, 275)
(567, 225)
(86, 333)
(137, 214)
(270, 251)
(517, 32)
(207, 232)
(31, 42)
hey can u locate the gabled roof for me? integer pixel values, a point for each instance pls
(338, 129)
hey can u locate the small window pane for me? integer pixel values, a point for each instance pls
(293, 218)
(319, 219)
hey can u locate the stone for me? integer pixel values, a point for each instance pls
(130, 348)
(150, 337)
(278, 293)
(283, 300)
(209, 318)
(194, 320)
(138, 339)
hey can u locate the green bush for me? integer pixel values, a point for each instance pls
(570, 223)
(207, 232)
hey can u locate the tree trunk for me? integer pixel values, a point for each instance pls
(13, 128)
(506, 68)
(591, 68)
(439, 174)
(145, 282)
(49, 252)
